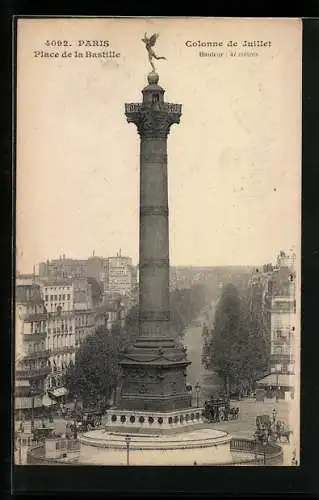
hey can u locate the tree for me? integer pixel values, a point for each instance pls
(186, 304)
(257, 340)
(224, 351)
(95, 374)
(237, 347)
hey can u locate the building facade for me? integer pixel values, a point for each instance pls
(58, 295)
(70, 319)
(282, 301)
(31, 352)
(63, 268)
(273, 296)
(278, 298)
(122, 275)
(52, 320)
(66, 268)
(116, 275)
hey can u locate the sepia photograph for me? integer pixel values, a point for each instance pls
(158, 242)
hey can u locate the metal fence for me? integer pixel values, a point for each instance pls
(67, 445)
(36, 455)
(268, 454)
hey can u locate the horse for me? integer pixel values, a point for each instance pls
(285, 434)
(261, 436)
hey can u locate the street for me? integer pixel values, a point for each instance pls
(249, 408)
(207, 379)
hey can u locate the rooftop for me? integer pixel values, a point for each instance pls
(57, 282)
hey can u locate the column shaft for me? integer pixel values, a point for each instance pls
(154, 239)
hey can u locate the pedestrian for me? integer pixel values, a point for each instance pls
(217, 415)
(213, 414)
(278, 430)
(226, 413)
(274, 414)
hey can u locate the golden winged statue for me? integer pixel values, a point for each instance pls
(149, 44)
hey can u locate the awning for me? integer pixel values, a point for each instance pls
(47, 401)
(58, 392)
(277, 380)
(22, 383)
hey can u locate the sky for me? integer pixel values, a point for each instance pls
(234, 161)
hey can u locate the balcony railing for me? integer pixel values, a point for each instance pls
(29, 337)
(32, 373)
(62, 350)
(134, 107)
(37, 355)
(35, 317)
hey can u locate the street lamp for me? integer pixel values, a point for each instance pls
(127, 441)
(256, 450)
(264, 445)
(197, 390)
(33, 393)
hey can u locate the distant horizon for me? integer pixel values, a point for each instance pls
(172, 265)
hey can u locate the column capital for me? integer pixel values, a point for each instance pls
(153, 121)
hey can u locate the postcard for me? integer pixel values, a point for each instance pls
(158, 216)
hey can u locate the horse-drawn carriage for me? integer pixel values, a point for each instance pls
(218, 409)
(270, 430)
